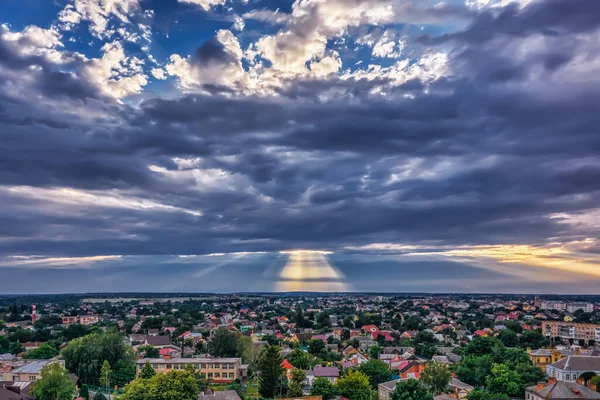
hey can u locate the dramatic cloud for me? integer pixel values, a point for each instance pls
(453, 140)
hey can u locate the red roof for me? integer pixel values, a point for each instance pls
(286, 364)
(165, 351)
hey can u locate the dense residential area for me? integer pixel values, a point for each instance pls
(363, 347)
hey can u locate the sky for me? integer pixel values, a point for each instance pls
(307, 145)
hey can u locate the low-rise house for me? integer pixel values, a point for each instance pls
(570, 368)
(330, 373)
(24, 370)
(556, 390)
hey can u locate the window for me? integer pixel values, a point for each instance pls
(169, 366)
(231, 374)
(154, 366)
(203, 366)
(217, 374)
(210, 375)
(196, 366)
(32, 378)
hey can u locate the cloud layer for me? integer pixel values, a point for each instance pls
(449, 133)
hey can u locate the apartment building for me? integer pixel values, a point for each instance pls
(571, 330)
(215, 369)
(80, 319)
(586, 307)
(553, 305)
(24, 370)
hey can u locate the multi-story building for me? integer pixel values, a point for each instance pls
(586, 307)
(571, 330)
(553, 305)
(80, 319)
(215, 369)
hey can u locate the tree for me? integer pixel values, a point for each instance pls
(300, 359)
(271, 372)
(587, 376)
(295, 385)
(315, 346)
(354, 385)
(483, 345)
(529, 373)
(147, 371)
(480, 394)
(410, 389)
(532, 339)
(44, 352)
(223, 343)
(377, 371)
(503, 380)
(84, 356)
(374, 351)
(84, 392)
(474, 370)
(596, 381)
(175, 385)
(436, 377)
(99, 396)
(105, 374)
(323, 387)
(123, 372)
(508, 338)
(54, 385)
(148, 351)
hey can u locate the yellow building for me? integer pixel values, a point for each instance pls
(214, 369)
(543, 357)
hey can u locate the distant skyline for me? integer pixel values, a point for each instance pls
(307, 145)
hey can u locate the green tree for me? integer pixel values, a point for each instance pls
(99, 396)
(147, 371)
(175, 385)
(44, 352)
(54, 385)
(587, 376)
(503, 380)
(374, 351)
(84, 356)
(271, 372)
(436, 377)
(410, 389)
(483, 345)
(316, 346)
(323, 387)
(474, 370)
(123, 372)
(296, 383)
(529, 373)
(224, 343)
(105, 375)
(508, 338)
(300, 359)
(148, 351)
(84, 392)
(596, 381)
(354, 385)
(532, 339)
(377, 371)
(481, 394)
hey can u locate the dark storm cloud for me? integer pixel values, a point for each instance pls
(485, 155)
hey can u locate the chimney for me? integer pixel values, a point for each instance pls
(551, 380)
(529, 350)
(578, 351)
(541, 385)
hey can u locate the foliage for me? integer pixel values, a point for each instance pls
(354, 385)
(374, 351)
(316, 346)
(123, 372)
(508, 338)
(44, 352)
(175, 385)
(425, 344)
(84, 392)
(532, 339)
(377, 371)
(436, 377)
(100, 396)
(503, 380)
(105, 374)
(300, 359)
(55, 384)
(474, 369)
(148, 351)
(271, 372)
(480, 394)
(587, 376)
(147, 371)
(321, 386)
(223, 343)
(410, 389)
(480, 346)
(84, 356)
(295, 385)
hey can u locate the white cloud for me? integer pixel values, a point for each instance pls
(158, 73)
(204, 4)
(115, 73)
(98, 14)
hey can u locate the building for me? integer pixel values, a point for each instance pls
(219, 395)
(553, 305)
(586, 307)
(215, 369)
(330, 373)
(80, 319)
(554, 390)
(24, 371)
(571, 330)
(570, 368)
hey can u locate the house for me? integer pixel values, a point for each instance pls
(570, 368)
(408, 369)
(385, 334)
(370, 329)
(219, 395)
(25, 371)
(285, 364)
(331, 373)
(555, 390)
(15, 391)
(158, 341)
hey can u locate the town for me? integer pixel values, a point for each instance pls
(346, 346)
